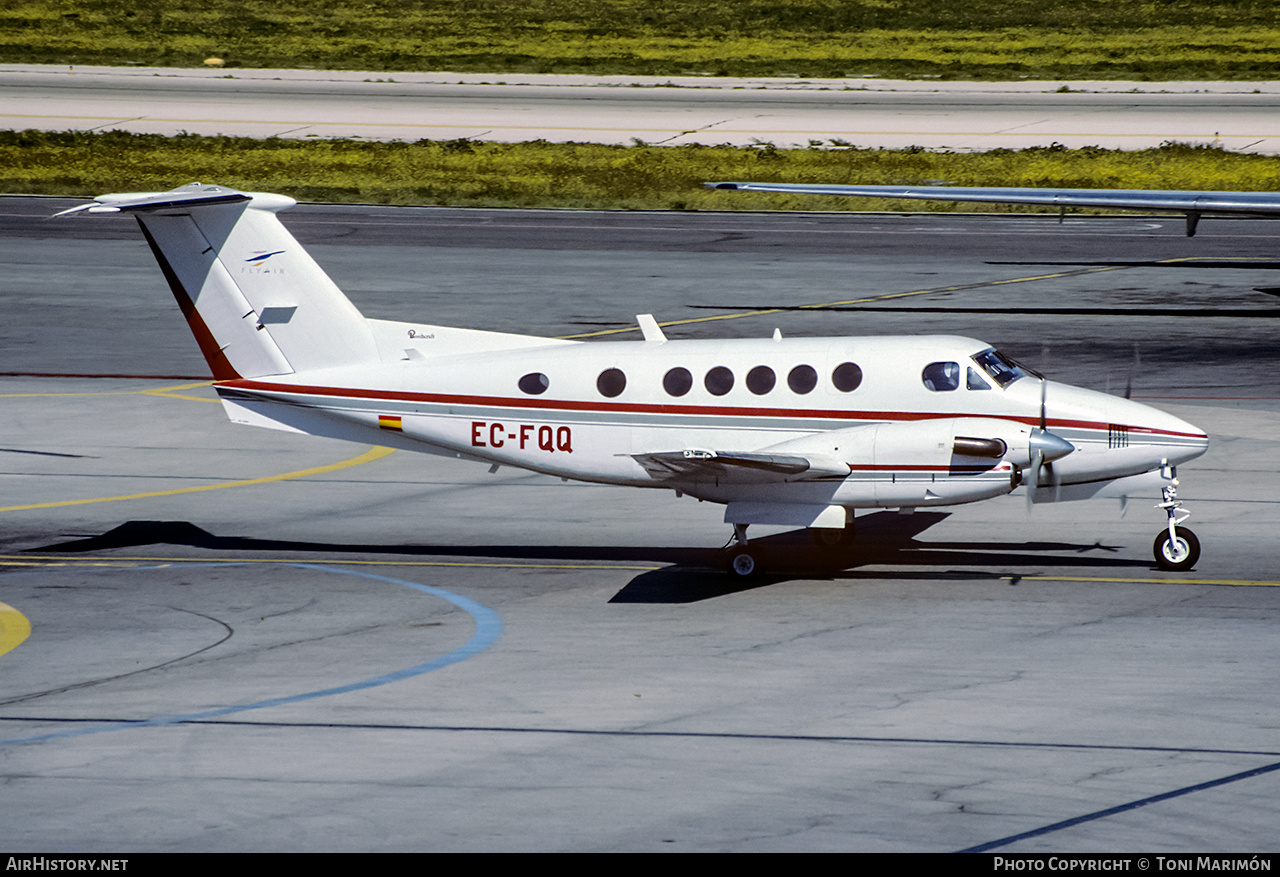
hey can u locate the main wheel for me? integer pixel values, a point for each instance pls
(1181, 553)
(744, 563)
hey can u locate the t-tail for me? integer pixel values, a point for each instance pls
(257, 304)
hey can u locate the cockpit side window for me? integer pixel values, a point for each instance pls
(975, 381)
(941, 376)
(1003, 370)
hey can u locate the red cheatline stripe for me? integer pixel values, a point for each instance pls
(648, 408)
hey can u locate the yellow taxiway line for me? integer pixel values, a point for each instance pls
(853, 301)
(154, 391)
(43, 560)
(1235, 583)
(61, 560)
(14, 628)
(375, 453)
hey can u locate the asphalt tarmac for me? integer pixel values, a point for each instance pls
(247, 640)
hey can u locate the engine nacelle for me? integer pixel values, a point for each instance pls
(934, 461)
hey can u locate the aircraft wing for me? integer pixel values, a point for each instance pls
(1192, 203)
(733, 467)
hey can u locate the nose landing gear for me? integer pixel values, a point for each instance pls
(1176, 548)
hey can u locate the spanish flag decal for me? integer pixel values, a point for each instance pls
(390, 421)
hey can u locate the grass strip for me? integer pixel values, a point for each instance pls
(471, 173)
(977, 39)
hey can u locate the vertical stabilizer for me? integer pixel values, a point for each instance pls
(257, 304)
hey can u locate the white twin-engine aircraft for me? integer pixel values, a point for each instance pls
(796, 431)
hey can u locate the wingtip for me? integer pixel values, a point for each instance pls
(77, 209)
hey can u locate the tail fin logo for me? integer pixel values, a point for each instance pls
(255, 261)
(260, 256)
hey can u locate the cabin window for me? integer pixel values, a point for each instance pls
(677, 382)
(534, 383)
(847, 377)
(802, 379)
(611, 382)
(974, 381)
(719, 381)
(761, 380)
(941, 376)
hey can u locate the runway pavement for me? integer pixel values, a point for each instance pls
(247, 640)
(668, 110)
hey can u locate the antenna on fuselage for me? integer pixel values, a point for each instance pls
(649, 328)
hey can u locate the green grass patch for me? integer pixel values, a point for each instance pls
(976, 39)
(541, 174)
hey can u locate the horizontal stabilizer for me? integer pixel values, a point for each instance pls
(191, 195)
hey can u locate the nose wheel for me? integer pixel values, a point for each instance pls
(1176, 548)
(1176, 552)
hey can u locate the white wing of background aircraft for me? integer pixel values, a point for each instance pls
(1193, 204)
(797, 431)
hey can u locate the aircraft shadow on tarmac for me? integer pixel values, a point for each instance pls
(693, 574)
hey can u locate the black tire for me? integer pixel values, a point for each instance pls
(1188, 547)
(744, 563)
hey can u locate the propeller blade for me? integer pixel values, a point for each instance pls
(1033, 475)
(1045, 448)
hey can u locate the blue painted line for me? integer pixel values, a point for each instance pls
(488, 629)
(1132, 805)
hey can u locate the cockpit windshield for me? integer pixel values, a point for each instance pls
(1001, 368)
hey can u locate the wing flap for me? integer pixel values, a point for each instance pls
(732, 466)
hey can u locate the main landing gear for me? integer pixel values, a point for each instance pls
(745, 561)
(1176, 548)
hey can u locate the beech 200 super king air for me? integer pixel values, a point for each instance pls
(797, 431)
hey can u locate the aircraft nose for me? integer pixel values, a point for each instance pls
(1133, 428)
(1176, 439)
(1194, 440)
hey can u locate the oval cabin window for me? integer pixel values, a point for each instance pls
(847, 377)
(761, 379)
(677, 382)
(719, 381)
(534, 383)
(802, 379)
(941, 376)
(611, 382)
